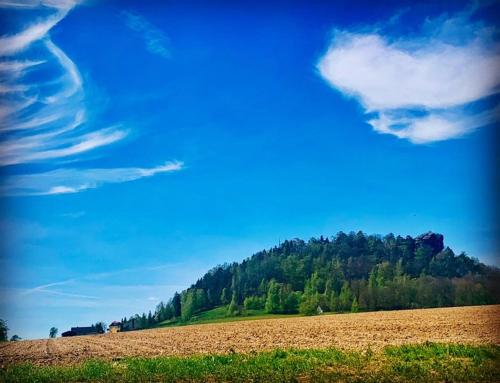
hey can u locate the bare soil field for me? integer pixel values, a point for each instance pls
(471, 325)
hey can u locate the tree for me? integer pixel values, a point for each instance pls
(254, 303)
(176, 304)
(224, 297)
(309, 304)
(345, 297)
(233, 308)
(15, 338)
(328, 294)
(273, 298)
(311, 298)
(150, 319)
(100, 327)
(372, 290)
(289, 300)
(53, 332)
(200, 299)
(354, 306)
(3, 330)
(334, 302)
(187, 306)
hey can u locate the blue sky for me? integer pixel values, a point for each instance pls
(142, 144)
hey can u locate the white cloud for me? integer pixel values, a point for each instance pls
(47, 289)
(47, 121)
(57, 108)
(453, 64)
(14, 69)
(436, 126)
(22, 150)
(13, 44)
(63, 181)
(156, 41)
(71, 77)
(27, 4)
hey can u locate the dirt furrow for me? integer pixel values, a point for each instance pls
(479, 324)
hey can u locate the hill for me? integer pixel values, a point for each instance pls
(345, 273)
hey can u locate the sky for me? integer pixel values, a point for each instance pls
(143, 143)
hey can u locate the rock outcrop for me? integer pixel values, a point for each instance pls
(432, 240)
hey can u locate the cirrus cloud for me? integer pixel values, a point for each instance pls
(65, 181)
(47, 120)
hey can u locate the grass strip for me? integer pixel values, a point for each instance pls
(428, 362)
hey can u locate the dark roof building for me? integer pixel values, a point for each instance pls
(91, 330)
(115, 327)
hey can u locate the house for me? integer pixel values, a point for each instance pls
(76, 331)
(115, 327)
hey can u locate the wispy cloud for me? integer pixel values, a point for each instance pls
(27, 4)
(421, 87)
(156, 41)
(47, 121)
(153, 299)
(93, 284)
(64, 181)
(74, 215)
(17, 42)
(47, 289)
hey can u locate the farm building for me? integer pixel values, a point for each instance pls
(76, 331)
(115, 327)
(98, 328)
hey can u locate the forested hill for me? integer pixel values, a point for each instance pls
(347, 272)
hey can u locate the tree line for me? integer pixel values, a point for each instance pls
(347, 272)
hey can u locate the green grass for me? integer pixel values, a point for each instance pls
(429, 362)
(219, 315)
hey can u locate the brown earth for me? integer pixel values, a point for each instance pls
(478, 324)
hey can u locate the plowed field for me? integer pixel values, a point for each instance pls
(475, 325)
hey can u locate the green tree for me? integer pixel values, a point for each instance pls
(187, 306)
(200, 299)
(372, 290)
(289, 300)
(384, 273)
(345, 297)
(334, 302)
(398, 269)
(176, 305)
(224, 297)
(254, 303)
(3, 330)
(233, 308)
(53, 332)
(328, 295)
(273, 298)
(311, 298)
(354, 306)
(150, 319)
(337, 275)
(309, 304)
